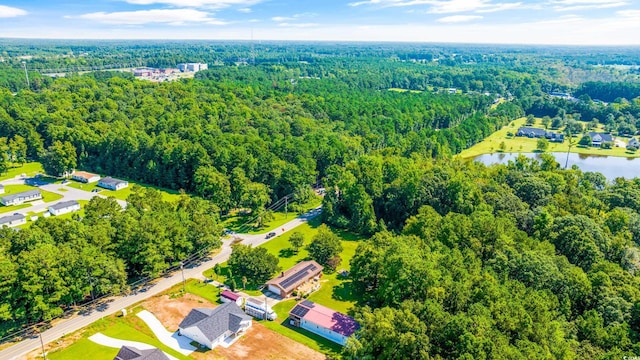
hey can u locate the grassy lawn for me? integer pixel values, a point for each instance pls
(29, 169)
(123, 194)
(234, 221)
(517, 144)
(130, 328)
(8, 209)
(405, 90)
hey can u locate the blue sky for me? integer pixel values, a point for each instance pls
(598, 22)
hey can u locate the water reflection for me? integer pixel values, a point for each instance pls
(610, 166)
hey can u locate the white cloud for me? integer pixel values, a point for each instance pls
(459, 18)
(9, 12)
(281, 18)
(633, 14)
(245, 10)
(196, 3)
(446, 6)
(298, 25)
(603, 5)
(169, 16)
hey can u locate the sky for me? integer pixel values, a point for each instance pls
(561, 22)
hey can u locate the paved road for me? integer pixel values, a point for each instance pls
(120, 302)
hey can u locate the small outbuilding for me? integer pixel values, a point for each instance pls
(229, 296)
(64, 207)
(112, 183)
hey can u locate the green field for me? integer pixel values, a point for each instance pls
(8, 209)
(517, 144)
(236, 222)
(130, 328)
(123, 194)
(29, 169)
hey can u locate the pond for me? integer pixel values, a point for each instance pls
(610, 166)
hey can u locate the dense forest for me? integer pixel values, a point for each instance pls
(521, 261)
(463, 261)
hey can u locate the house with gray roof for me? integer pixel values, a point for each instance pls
(212, 327)
(64, 207)
(21, 197)
(633, 143)
(597, 139)
(12, 220)
(131, 353)
(112, 183)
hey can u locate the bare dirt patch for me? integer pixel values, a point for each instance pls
(262, 343)
(171, 311)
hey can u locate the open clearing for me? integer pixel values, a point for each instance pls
(521, 144)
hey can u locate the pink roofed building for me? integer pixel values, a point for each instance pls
(229, 296)
(323, 321)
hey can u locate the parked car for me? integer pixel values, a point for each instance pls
(270, 235)
(95, 190)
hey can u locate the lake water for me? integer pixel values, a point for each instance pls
(610, 166)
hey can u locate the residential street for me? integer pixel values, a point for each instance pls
(117, 303)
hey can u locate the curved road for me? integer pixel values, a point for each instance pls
(117, 303)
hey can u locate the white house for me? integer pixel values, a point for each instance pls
(323, 321)
(85, 177)
(112, 183)
(212, 327)
(259, 309)
(20, 198)
(229, 296)
(13, 220)
(64, 207)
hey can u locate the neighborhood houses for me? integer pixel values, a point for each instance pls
(112, 183)
(323, 321)
(532, 132)
(21, 197)
(229, 296)
(64, 207)
(259, 309)
(304, 277)
(212, 327)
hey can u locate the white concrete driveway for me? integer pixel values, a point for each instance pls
(173, 340)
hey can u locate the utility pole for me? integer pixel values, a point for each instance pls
(44, 354)
(26, 74)
(184, 283)
(286, 207)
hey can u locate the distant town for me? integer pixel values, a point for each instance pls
(183, 70)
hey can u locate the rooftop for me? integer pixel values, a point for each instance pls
(64, 205)
(230, 295)
(23, 194)
(84, 174)
(110, 180)
(10, 218)
(297, 275)
(131, 353)
(215, 322)
(325, 317)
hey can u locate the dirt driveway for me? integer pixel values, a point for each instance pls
(258, 343)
